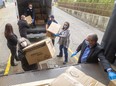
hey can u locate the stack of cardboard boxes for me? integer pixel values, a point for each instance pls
(71, 77)
(75, 77)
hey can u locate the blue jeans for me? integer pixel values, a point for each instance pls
(61, 47)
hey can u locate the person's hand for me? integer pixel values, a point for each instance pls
(112, 75)
(74, 54)
(56, 34)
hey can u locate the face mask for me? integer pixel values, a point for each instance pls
(86, 42)
(30, 8)
(64, 26)
(24, 44)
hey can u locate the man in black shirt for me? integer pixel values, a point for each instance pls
(30, 12)
(23, 26)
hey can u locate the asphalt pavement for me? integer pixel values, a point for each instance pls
(7, 15)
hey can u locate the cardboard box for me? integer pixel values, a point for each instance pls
(37, 11)
(112, 83)
(82, 77)
(51, 35)
(54, 28)
(65, 80)
(39, 51)
(44, 16)
(40, 22)
(29, 19)
(38, 16)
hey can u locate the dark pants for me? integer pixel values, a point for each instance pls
(61, 47)
(13, 54)
(34, 23)
(53, 41)
(24, 63)
(4, 4)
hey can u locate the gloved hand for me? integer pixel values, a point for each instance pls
(56, 34)
(112, 75)
(32, 20)
(74, 54)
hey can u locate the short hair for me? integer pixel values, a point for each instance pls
(94, 36)
(51, 16)
(22, 17)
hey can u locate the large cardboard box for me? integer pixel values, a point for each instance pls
(38, 16)
(29, 19)
(48, 34)
(39, 51)
(65, 80)
(37, 11)
(40, 22)
(82, 77)
(44, 16)
(53, 29)
(112, 83)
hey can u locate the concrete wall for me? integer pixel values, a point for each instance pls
(1, 3)
(92, 19)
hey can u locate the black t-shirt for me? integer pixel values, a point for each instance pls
(12, 40)
(30, 12)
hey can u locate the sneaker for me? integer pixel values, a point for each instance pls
(59, 55)
(64, 63)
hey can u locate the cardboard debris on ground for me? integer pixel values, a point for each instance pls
(39, 51)
(29, 19)
(54, 28)
(112, 83)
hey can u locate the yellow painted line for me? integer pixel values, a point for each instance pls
(72, 53)
(7, 66)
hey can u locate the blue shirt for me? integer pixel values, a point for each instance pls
(50, 21)
(85, 54)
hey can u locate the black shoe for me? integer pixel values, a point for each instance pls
(64, 63)
(59, 55)
(14, 64)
